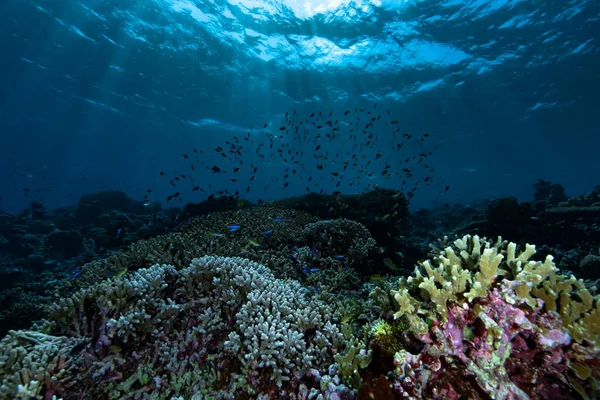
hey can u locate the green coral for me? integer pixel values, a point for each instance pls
(356, 356)
(387, 336)
(472, 267)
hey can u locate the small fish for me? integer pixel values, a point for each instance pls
(118, 233)
(114, 348)
(315, 252)
(216, 234)
(277, 219)
(268, 233)
(75, 272)
(389, 263)
(254, 242)
(233, 227)
(120, 274)
(147, 204)
(377, 278)
(339, 257)
(311, 270)
(386, 216)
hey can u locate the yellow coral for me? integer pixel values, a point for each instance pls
(387, 336)
(489, 269)
(409, 307)
(452, 277)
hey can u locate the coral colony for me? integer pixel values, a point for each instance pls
(272, 302)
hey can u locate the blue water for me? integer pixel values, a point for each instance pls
(105, 94)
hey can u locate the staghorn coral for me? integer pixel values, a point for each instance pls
(493, 321)
(222, 327)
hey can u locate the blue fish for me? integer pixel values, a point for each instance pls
(75, 272)
(314, 251)
(118, 233)
(268, 233)
(233, 227)
(339, 257)
(278, 219)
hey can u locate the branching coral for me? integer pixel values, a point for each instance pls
(207, 235)
(488, 315)
(221, 326)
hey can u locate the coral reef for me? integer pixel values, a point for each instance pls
(381, 211)
(301, 299)
(221, 327)
(493, 321)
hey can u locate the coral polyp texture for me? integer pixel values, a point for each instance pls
(493, 323)
(221, 328)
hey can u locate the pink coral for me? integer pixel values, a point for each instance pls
(510, 351)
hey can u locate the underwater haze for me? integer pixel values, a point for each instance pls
(300, 199)
(103, 95)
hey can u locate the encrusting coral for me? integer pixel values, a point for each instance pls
(496, 322)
